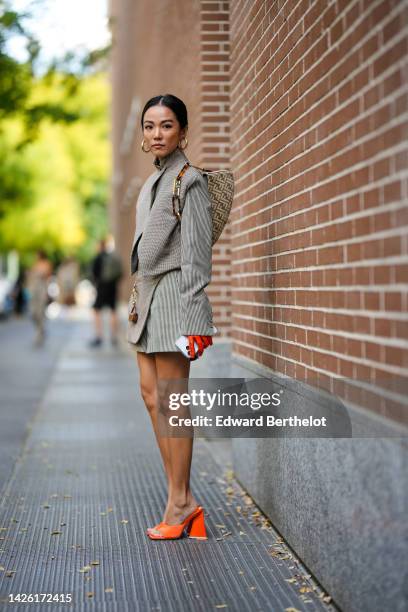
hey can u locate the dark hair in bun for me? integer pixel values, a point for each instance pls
(175, 104)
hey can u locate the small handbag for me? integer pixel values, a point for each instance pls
(133, 316)
(221, 190)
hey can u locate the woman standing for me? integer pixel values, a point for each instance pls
(38, 279)
(172, 257)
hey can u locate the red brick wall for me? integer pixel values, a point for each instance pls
(319, 227)
(307, 101)
(215, 122)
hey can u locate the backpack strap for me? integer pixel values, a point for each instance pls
(176, 191)
(177, 187)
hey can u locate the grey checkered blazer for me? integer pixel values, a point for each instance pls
(162, 244)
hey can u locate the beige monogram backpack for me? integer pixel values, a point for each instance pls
(221, 189)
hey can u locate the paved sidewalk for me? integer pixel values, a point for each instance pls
(24, 375)
(73, 513)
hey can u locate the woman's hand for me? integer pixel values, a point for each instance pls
(202, 342)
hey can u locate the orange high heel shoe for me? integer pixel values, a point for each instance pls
(193, 525)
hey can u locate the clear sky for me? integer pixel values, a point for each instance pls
(64, 25)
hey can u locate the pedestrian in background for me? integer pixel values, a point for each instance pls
(67, 279)
(38, 278)
(106, 270)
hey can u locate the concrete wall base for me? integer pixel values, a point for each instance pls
(340, 503)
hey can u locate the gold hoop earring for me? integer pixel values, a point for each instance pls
(143, 149)
(182, 148)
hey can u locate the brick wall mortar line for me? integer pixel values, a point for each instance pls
(374, 314)
(337, 107)
(392, 206)
(394, 259)
(375, 364)
(276, 50)
(237, 61)
(391, 233)
(238, 18)
(334, 134)
(361, 214)
(386, 153)
(395, 287)
(381, 340)
(352, 50)
(401, 317)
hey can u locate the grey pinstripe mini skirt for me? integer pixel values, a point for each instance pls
(162, 327)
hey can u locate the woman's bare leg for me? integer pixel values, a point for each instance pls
(173, 370)
(148, 388)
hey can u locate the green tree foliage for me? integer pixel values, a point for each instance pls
(54, 190)
(15, 78)
(54, 147)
